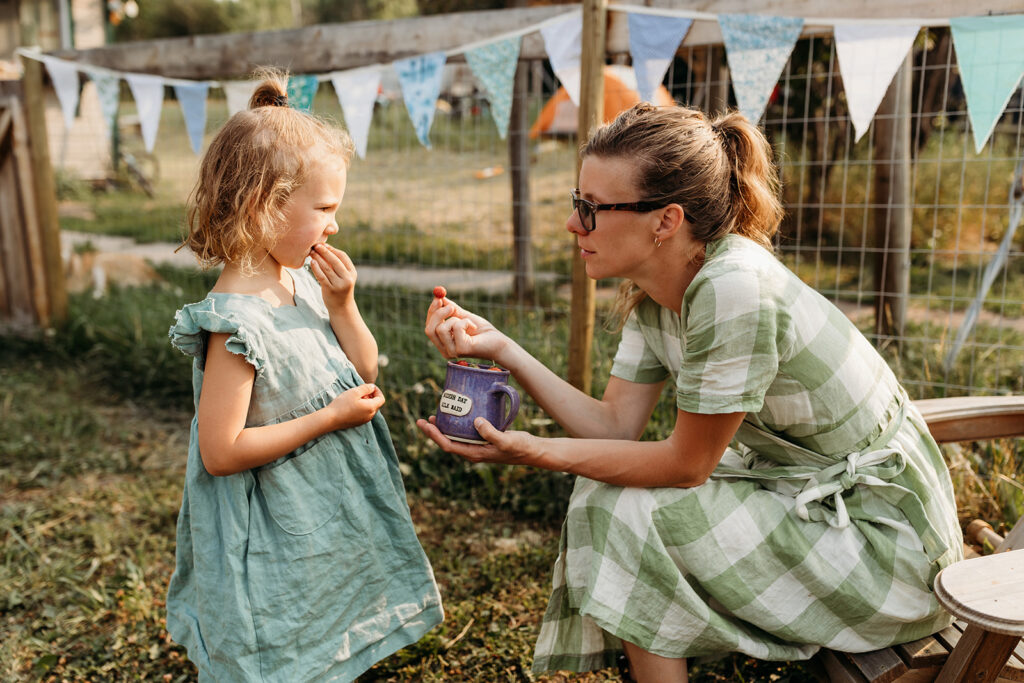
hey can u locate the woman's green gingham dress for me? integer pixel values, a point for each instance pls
(825, 522)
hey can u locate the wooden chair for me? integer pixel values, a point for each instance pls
(984, 593)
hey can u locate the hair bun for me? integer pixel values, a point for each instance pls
(268, 94)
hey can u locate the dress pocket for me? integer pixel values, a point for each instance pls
(304, 491)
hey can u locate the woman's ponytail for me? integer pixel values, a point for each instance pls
(757, 208)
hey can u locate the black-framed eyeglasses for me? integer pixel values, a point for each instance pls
(587, 209)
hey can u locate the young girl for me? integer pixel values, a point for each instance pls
(799, 500)
(296, 556)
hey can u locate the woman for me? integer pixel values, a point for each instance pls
(799, 500)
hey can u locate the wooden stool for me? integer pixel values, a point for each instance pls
(988, 594)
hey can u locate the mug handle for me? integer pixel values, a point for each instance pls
(513, 397)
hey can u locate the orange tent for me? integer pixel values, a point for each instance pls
(559, 115)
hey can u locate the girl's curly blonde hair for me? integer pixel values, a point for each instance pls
(253, 165)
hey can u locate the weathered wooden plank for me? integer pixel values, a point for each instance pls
(979, 656)
(879, 666)
(317, 49)
(924, 652)
(838, 668)
(970, 418)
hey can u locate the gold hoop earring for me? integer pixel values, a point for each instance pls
(657, 242)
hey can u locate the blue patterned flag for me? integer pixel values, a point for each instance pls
(495, 65)
(420, 78)
(757, 48)
(192, 98)
(108, 88)
(869, 56)
(357, 93)
(991, 59)
(653, 42)
(301, 90)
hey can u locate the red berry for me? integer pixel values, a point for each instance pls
(495, 367)
(462, 362)
(440, 292)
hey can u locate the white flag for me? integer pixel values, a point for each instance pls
(238, 94)
(357, 93)
(869, 57)
(148, 91)
(563, 41)
(65, 81)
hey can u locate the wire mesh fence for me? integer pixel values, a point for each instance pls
(414, 217)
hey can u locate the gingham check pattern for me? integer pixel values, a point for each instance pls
(825, 524)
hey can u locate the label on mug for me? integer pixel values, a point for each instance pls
(455, 403)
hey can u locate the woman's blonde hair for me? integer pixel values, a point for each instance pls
(721, 171)
(253, 165)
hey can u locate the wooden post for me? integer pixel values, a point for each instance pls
(892, 201)
(45, 191)
(519, 161)
(591, 113)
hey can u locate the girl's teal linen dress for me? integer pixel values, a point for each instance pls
(306, 568)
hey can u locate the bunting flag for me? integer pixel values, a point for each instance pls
(357, 93)
(990, 56)
(148, 91)
(301, 90)
(869, 57)
(65, 82)
(653, 42)
(238, 94)
(108, 88)
(757, 48)
(563, 41)
(420, 78)
(192, 98)
(495, 65)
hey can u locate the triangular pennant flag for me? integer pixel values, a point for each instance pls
(238, 94)
(301, 90)
(420, 78)
(192, 98)
(357, 93)
(869, 57)
(991, 61)
(495, 65)
(563, 41)
(653, 42)
(108, 89)
(65, 81)
(757, 48)
(148, 91)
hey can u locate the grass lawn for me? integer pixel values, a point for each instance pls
(91, 484)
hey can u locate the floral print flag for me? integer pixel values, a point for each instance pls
(495, 65)
(420, 78)
(757, 48)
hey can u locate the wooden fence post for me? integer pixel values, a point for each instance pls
(892, 204)
(519, 161)
(591, 113)
(45, 191)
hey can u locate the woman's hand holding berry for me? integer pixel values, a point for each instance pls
(336, 274)
(355, 406)
(457, 332)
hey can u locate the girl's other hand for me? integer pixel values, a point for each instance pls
(457, 332)
(355, 406)
(336, 274)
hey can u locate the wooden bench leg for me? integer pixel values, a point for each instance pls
(978, 657)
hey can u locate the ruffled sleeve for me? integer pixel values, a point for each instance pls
(194, 322)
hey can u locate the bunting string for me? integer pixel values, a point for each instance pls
(757, 48)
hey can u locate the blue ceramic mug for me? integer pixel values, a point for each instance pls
(471, 392)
